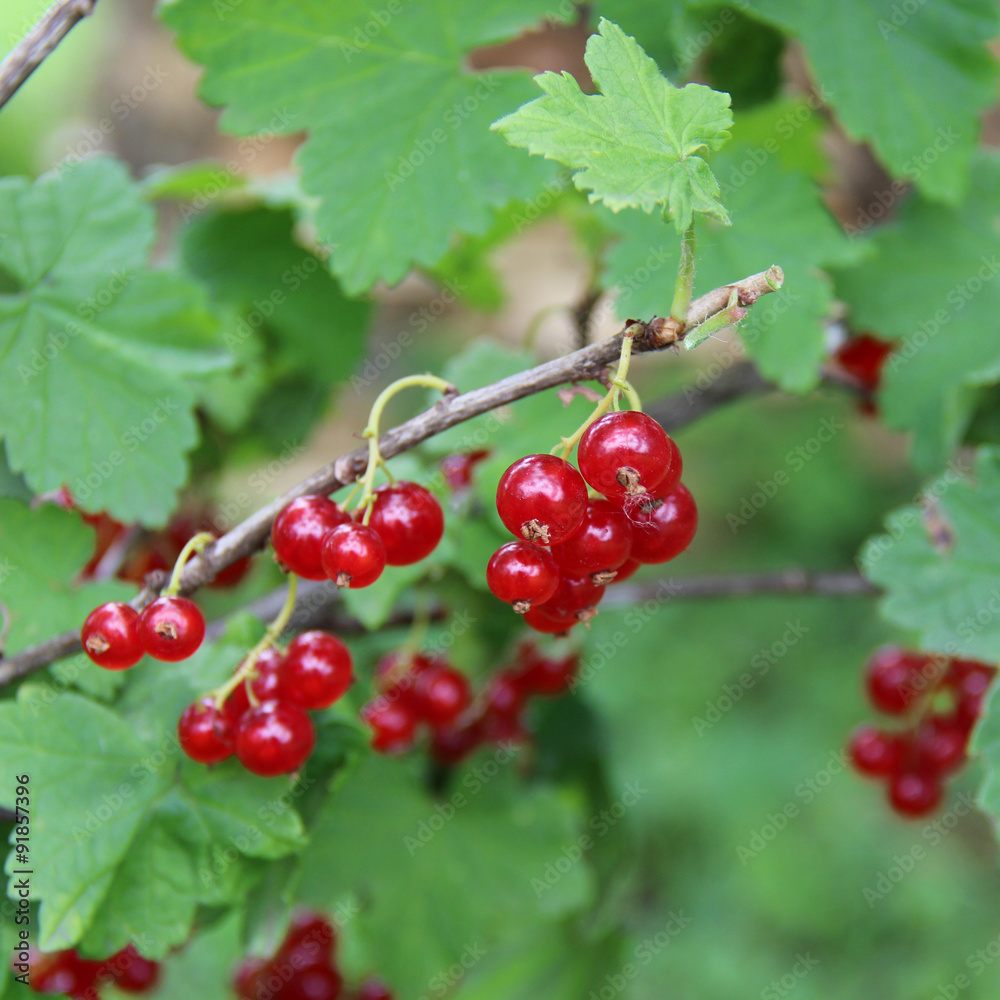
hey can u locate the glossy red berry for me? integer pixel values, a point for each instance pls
(396, 674)
(298, 532)
(249, 980)
(894, 679)
(574, 598)
(110, 636)
(915, 793)
(171, 628)
(205, 734)
(440, 695)
(504, 695)
(522, 575)
(393, 724)
(409, 521)
(663, 525)
(599, 546)
(318, 982)
(863, 357)
(626, 569)
(628, 453)
(874, 752)
(534, 619)
(317, 671)
(132, 972)
(373, 989)
(265, 684)
(353, 555)
(274, 738)
(542, 498)
(970, 681)
(309, 941)
(547, 675)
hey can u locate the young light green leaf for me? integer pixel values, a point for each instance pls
(98, 352)
(640, 143)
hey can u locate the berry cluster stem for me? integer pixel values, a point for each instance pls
(619, 385)
(685, 278)
(194, 545)
(271, 636)
(371, 431)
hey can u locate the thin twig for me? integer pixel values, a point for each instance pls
(32, 50)
(251, 534)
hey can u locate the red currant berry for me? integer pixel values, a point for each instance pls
(353, 555)
(862, 357)
(63, 972)
(914, 793)
(574, 598)
(599, 546)
(409, 521)
(393, 724)
(939, 744)
(534, 619)
(893, 679)
(110, 636)
(874, 752)
(274, 738)
(970, 680)
(457, 469)
(132, 973)
(373, 989)
(396, 674)
(628, 453)
(542, 498)
(205, 734)
(663, 525)
(626, 569)
(232, 575)
(298, 532)
(317, 671)
(249, 980)
(504, 695)
(450, 745)
(309, 941)
(441, 694)
(548, 676)
(171, 628)
(265, 684)
(522, 575)
(319, 982)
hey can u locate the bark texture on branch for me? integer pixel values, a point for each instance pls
(37, 45)
(252, 534)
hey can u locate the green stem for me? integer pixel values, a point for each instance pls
(271, 636)
(619, 384)
(729, 316)
(195, 544)
(685, 278)
(375, 459)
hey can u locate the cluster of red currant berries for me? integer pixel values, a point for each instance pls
(316, 539)
(65, 973)
(570, 546)
(941, 698)
(264, 721)
(303, 968)
(416, 690)
(116, 636)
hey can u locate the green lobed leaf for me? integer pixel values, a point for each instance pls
(933, 284)
(778, 218)
(98, 352)
(42, 551)
(458, 881)
(941, 567)
(910, 82)
(640, 143)
(398, 153)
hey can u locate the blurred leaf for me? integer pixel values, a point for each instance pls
(189, 181)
